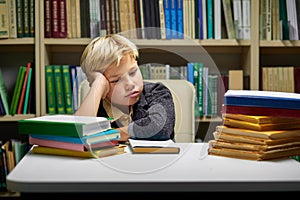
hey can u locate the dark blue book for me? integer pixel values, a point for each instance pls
(267, 99)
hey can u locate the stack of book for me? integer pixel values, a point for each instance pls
(69, 135)
(250, 135)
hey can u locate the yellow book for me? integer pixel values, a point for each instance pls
(154, 147)
(83, 154)
(292, 124)
(260, 119)
(253, 140)
(275, 134)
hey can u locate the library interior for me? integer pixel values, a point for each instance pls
(232, 67)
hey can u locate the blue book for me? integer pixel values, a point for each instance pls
(173, 10)
(108, 135)
(180, 33)
(167, 18)
(190, 72)
(200, 19)
(267, 99)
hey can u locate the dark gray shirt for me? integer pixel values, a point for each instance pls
(153, 115)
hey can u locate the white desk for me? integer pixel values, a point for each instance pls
(190, 171)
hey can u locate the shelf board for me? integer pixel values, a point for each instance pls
(279, 43)
(17, 41)
(15, 117)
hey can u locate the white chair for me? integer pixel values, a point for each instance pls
(183, 93)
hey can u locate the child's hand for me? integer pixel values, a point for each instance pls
(99, 80)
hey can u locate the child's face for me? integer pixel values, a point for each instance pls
(126, 82)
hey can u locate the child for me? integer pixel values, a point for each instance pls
(140, 110)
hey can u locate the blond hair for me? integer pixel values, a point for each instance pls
(104, 51)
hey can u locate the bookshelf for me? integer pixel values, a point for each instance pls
(248, 55)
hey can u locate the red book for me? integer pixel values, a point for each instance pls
(55, 18)
(62, 17)
(261, 111)
(22, 96)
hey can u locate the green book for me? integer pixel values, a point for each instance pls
(27, 92)
(50, 89)
(67, 89)
(4, 94)
(64, 125)
(17, 90)
(58, 80)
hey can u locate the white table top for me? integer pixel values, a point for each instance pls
(191, 170)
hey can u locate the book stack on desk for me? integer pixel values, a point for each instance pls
(69, 135)
(250, 135)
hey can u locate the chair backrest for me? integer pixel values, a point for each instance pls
(183, 93)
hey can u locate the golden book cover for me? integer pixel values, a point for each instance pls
(153, 147)
(260, 119)
(261, 127)
(254, 155)
(253, 140)
(275, 134)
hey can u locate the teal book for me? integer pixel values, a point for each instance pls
(199, 90)
(50, 90)
(59, 93)
(4, 94)
(27, 92)
(17, 90)
(67, 89)
(64, 125)
(210, 19)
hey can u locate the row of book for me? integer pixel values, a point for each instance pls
(62, 88)
(11, 152)
(17, 18)
(155, 19)
(262, 126)
(70, 135)
(279, 20)
(281, 78)
(23, 94)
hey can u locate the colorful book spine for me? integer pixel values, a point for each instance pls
(4, 94)
(26, 100)
(174, 25)
(23, 90)
(180, 33)
(167, 18)
(210, 19)
(50, 89)
(59, 92)
(17, 90)
(67, 89)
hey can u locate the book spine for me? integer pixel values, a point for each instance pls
(26, 17)
(31, 18)
(20, 20)
(167, 18)
(74, 85)
(55, 18)
(50, 89)
(228, 19)
(23, 89)
(210, 20)
(4, 28)
(12, 19)
(67, 89)
(17, 90)
(26, 100)
(180, 19)
(47, 18)
(62, 19)
(173, 4)
(4, 93)
(59, 93)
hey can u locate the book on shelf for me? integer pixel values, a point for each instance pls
(70, 145)
(59, 89)
(116, 150)
(27, 92)
(17, 90)
(50, 90)
(67, 89)
(23, 88)
(102, 136)
(153, 147)
(269, 99)
(4, 94)
(64, 125)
